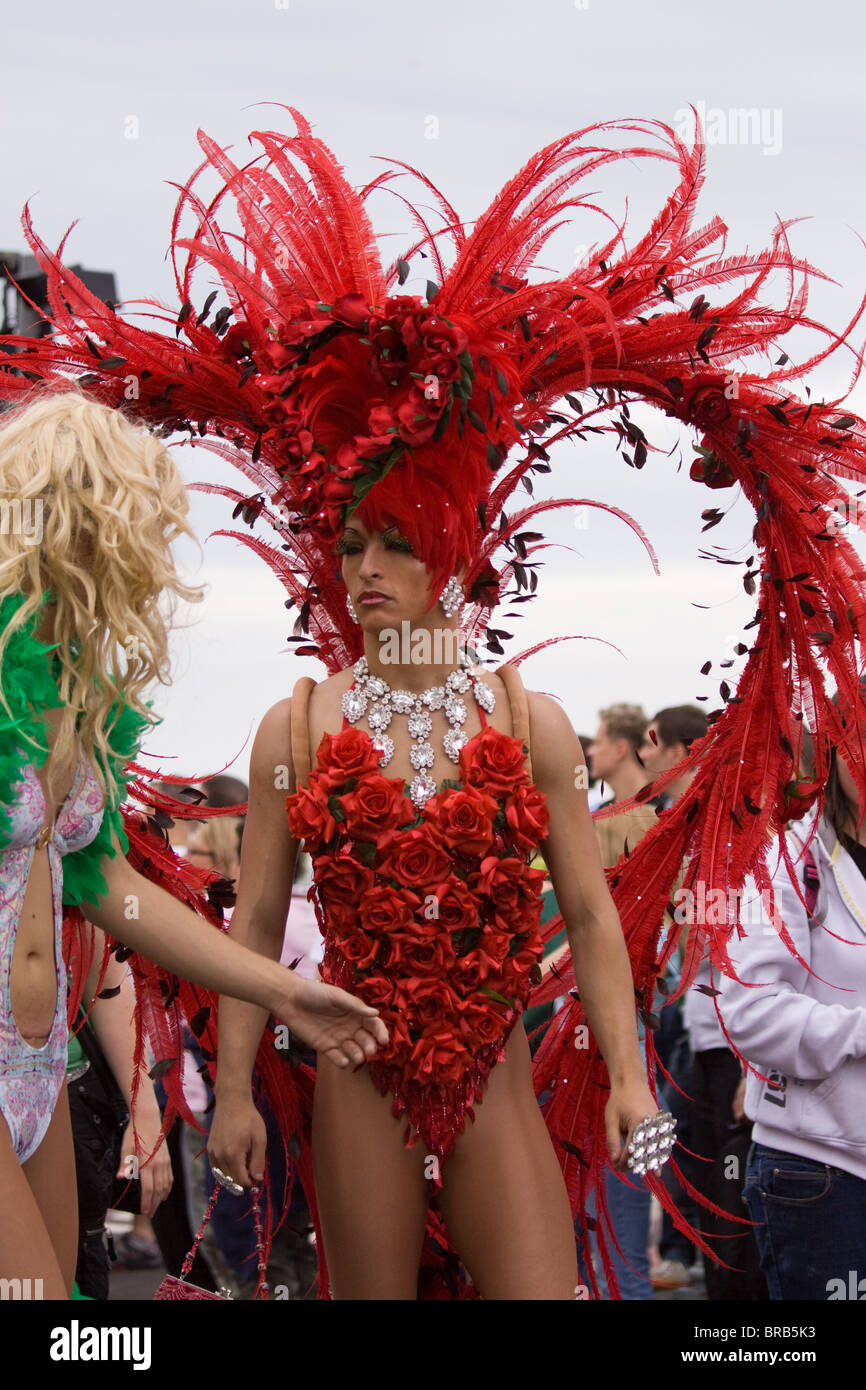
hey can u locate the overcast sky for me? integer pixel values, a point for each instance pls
(99, 111)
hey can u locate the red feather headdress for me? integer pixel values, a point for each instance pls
(332, 394)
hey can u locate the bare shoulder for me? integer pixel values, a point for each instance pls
(273, 742)
(555, 746)
(323, 711)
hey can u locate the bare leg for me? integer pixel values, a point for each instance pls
(371, 1192)
(39, 1219)
(503, 1197)
(51, 1175)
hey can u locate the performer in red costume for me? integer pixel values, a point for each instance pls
(376, 430)
(429, 907)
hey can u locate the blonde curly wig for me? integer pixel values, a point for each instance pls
(109, 501)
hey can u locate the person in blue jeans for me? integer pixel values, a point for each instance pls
(804, 1030)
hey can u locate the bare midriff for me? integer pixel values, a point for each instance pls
(33, 971)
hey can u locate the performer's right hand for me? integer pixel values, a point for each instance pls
(345, 1029)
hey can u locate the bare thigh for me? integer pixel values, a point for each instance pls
(503, 1197)
(371, 1191)
(39, 1208)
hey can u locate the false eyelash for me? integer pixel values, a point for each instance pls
(342, 547)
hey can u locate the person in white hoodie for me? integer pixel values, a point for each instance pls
(803, 1030)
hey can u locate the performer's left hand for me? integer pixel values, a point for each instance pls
(629, 1103)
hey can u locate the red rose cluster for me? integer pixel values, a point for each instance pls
(346, 390)
(431, 916)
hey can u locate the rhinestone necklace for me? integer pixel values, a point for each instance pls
(373, 696)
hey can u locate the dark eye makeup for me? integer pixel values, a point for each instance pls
(349, 546)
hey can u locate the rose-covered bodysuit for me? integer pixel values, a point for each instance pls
(430, 915)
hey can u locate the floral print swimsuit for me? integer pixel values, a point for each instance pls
(31, 1077)
(430, 915)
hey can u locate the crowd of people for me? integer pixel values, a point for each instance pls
(764, 1073)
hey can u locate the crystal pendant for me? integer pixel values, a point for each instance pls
(422, 756)
(422, 788)
(484, 696)
(402, 701)
(384, 744)
(380, 716)
(420, 724)
(435, 698)
(456, 710)
(353, 703)
(453, 741)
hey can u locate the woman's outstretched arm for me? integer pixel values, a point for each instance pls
(149, 920)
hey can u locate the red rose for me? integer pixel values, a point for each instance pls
(493, 761)
(383, 910)
(376, 805)
(417, 955)
(507, 881)
(527, 817)
(309, 817)
(522, 961)
(418, 417)
(446, 368)
(385, 338)
(351, 309)
(706, 405)
(473, 970)
(277, 354)
(350, 753)
(457, 906)
(347, 463)
(336, 491)
(425, 998)
(359, 948)
(522, 915)
(495, 944)
(341, 879)
(417, 858)
(438, 1057)
(399, 1042)
(712, 471)
(377, 991)
(439, 336)
(236, 341)
(342, 916)
(380, 418)
(464, 818)
(485, 1023)
(467, 974)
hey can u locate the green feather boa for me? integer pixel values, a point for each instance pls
(29, 684)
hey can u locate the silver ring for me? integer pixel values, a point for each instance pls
(228, 1183)
(652, 1142)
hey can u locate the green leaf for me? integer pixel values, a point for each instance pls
(336, 808)
(364, 850)
(500, 999)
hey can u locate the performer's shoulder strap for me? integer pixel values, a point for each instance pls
(519, 707)
(301, 760)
